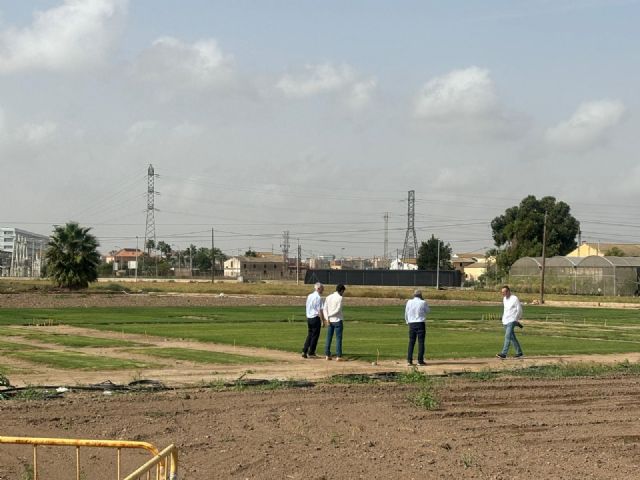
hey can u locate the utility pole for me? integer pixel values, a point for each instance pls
(137, 259)
(544, 248)
(438, 268)
(213, 260)
(298, 264)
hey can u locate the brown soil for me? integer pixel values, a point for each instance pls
(500, 429)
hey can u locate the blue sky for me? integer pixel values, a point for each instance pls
(317, 117)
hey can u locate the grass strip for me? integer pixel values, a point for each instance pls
(200, 356)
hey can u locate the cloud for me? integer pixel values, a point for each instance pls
(361, 93)
(458, 95)
(465, 101)
(174, 64)
(36, 133)
(327, 78)
(138, 130)
(72, 36)
(588, 127)
(187, 130)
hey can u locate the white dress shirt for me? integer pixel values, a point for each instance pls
(416, 310)
(333, 308)
(314, 304)
(512, 309)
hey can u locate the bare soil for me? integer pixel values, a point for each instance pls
(508, 428)
(501, 429)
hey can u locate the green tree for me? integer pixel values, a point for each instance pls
(164, 248)
(202, 258)
(150, 245)
(614, 252)
(73, 257)
(428, 255)
(518, 232)
(250, 253)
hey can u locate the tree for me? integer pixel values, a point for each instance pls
(164, 248)
(614, 252)
(202, 258)
(150, 245)
(73, 256)
(250, 253)
(428, 255)
(518, 232)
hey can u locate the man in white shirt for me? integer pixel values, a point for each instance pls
(333, 314)
(314, 321)
(511, 316)
(415, 315)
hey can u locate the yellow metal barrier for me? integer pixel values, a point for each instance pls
(163, 464)
(161, 460)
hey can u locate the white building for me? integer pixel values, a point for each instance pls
(398, 264)
(27, 251)
(255, 268)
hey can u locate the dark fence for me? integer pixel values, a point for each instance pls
(391, 278)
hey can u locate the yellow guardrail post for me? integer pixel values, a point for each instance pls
(169, 456)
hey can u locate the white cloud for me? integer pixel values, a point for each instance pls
(139, 129)
(187, 130)
(589, 126)
(361, 93)
(458, 95)
(36, 133)
(175, 64)
(69, 37)
(328, 78)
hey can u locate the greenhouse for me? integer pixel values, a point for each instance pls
(593, 275)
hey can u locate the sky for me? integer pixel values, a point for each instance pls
(317, 118)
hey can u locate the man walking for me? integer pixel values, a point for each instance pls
(314, 321)
(333, 314)
(511, 316)
(415, 315)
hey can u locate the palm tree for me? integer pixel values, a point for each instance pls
(72, 256)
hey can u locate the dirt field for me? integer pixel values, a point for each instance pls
(503, 429)
(498, 429)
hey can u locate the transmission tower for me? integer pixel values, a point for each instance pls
(386, 235)
(410, 250)
(150, 229)
(285, 247)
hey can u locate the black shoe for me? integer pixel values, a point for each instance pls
(499, 355)
(304, 355)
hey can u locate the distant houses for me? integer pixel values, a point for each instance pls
(472, 265)
(602, 249)
(266, 267)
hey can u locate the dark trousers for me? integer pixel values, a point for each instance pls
(417, 331)
(313, 334)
